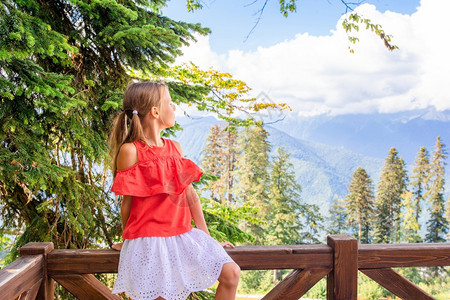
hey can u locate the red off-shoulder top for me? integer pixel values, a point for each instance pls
(157, 185)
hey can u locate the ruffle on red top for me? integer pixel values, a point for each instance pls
(163, 175)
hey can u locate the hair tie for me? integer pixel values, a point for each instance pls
(135, 112)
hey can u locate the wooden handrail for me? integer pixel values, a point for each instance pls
(33, 273)
(21, 275)
(403, 255)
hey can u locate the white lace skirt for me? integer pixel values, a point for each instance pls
(170, 267)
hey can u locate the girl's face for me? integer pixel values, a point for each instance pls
(167, 109)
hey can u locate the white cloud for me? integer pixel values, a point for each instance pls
(317, 74)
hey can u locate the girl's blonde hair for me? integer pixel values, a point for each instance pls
(139, 97)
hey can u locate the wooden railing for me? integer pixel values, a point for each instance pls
(32, 275)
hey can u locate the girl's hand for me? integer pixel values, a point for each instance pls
(226, 244)
(117, 246)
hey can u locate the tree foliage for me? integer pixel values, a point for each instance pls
(391, 187)
(219, 158)
(350, 24)
(63, 68)
(359, 205)
(410, 225)
(283, 218)
(253, 173)
(213, 161)
(437, 225)
(337, 223)
(419, 180)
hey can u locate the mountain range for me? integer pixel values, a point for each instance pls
(326, 150)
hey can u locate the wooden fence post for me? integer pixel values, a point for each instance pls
(342, 281)
(47, 288)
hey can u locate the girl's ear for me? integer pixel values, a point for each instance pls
(154, 112)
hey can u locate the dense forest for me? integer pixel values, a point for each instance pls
(244, 173)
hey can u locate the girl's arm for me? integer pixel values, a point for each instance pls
(197, 212)
(125, 208)
(196, 209)
(126, 158)
(194, 202)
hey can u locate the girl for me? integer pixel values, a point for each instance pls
(162, 256)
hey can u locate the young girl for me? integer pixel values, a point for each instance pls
(162, 256)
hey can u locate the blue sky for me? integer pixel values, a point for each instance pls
(232, 20)
(304, 60)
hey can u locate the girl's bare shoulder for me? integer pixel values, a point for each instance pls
(127, 156)
(178, 146)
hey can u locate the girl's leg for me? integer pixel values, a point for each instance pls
(228, 281)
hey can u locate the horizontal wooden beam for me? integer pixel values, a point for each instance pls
(397, 284)
(375, 256)
(247, 257)
(77, 261)
(270, 257)
(282, 257)
(20, 276)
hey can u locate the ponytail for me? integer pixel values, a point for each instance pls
(117, 138)
(121, 135)
(139, 98)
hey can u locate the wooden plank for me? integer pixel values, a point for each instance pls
(32, 292)
(296, 284)
(403, 255)
(247, 257)
(397, 284)
(47, 288)
(282, 257)
(85, 287)
(82, 261)
(343, 282)
(20, 275)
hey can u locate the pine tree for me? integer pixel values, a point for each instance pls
(437, 225)
(64, 66)
(230, 162)
(284, 199)
(359, 204)
(213, 161)
(410, 225)
(252, 173)
(392, 185)
(338, 217)
(419, 180)
(219, 160)
(313, 223)
(447, 215)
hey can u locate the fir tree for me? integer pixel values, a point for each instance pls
(219, 160)
(392, 185)
(213, 161)
(313, 223)
(359, 204)
(338, 217)
(447, 215)
(419, 180)
(64, 66)
(252, 173)
(230, 161)
(410, 225)
(437, 225)
(284, 199)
